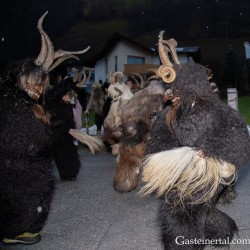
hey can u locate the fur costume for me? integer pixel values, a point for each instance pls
(119, 94)
(26, 181)
(63, 149)
(137, 116)
(197, 147)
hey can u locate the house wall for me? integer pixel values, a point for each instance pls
(121, 50)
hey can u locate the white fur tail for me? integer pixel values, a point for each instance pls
(95, 144)
(185, 173)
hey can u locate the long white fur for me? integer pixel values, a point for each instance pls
(94, 143)
(185, 173)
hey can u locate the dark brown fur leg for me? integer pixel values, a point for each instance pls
(128, 167)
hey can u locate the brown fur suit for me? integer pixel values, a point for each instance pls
(136, 120)
(120, 93)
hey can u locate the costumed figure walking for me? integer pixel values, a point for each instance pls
(198, 146)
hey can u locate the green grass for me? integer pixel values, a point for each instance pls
(244, 107)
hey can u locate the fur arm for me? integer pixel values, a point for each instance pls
(161, 138)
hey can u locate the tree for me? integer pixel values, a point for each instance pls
(231, 70)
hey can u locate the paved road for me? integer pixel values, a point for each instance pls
(89, 215)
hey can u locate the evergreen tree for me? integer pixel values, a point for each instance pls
(231, 70)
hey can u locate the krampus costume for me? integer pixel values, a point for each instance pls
(64, 151)
(26, 181)
(197, 147)
(137, 117)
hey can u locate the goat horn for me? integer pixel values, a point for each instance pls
(43, 52)
(165, 71)
(85, 78)
(83, 81)
(61, 52)
(162, 53)
(118, 90)
(111, 78)
(50, 50)
(133, 77)
(172, 44)
(153, 77)
(141, 83)
(51, 55)
(118, 76)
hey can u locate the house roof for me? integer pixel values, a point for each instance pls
(117, 37)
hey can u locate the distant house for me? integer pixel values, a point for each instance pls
(124, 54)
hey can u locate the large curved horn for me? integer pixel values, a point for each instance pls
(43, 52)
(50, 50)
(165, 71)
(85, 78)
(118, 76)
(111, 78)
(60, 60)
(47, 60)
(153, 77)
(61, 52)
(172, 44)
(162, 53)
(142, 82)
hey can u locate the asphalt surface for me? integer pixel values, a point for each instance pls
(89, 214)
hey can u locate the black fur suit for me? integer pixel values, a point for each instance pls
(26, 180)
(63, 148)
(199, 120)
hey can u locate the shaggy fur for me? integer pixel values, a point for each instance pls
(137, 116)
(26, 180)
(63, 148)
(197, 122)
(120, 94)
(183, 171)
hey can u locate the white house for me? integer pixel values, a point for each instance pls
(126, 55)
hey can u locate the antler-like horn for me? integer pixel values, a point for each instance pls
(61, 52)
(49, 58)
(60, 60)
(43, 52)
(48, 55)
(165, 71)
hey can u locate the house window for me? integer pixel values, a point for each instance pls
(115, 63)
(135, 60)
(106, 65)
